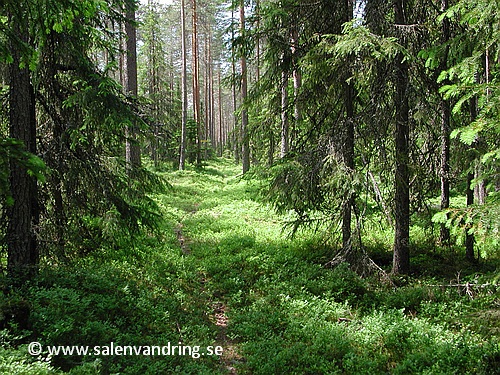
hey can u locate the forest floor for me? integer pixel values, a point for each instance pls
(223, 273)
(277, 310)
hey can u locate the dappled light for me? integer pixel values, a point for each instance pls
(249, 187)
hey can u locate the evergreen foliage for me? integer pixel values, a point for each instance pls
(81, 117)
(314, 179)
(369, 130)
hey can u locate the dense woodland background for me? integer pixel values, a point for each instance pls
(296, 169)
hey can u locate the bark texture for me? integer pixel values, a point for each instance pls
(182, 151)
(245, 149)
(401, 255)
(22, 250)
(132, 147)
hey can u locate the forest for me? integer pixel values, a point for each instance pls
(249, 187)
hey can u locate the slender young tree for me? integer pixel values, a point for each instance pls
(208, 132)
(469, 191)
(297, 81)
(153, 74)
(285, 124)
(221, 122)
(444, 237)
(196, 83)
(245, 139)
(236, 134)
(182, 151)
(257, 42)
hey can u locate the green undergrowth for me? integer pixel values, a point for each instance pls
(286, 313)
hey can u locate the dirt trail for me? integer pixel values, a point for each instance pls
(183, 243)
(230, 356)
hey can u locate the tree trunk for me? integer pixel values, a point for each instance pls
(444, 237)
(206, 85)
(153, 88)
(271, 149)
(22, 250)
(380, 198)
(212, 97)
(348, 156)
(469, 237)
(480, 192)
(221, 129)
(245, 149)
(401, 255)
(297, 84)
(469, 192)
(182, 151)
(348, 143)
(236, 128)
(196, 85)
(257, 42)
(285, 125)
(132, 148)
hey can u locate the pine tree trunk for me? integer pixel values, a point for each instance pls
(153, 89)
(182, 151)
(132, 148)
(236, 130)
(212, 97)
(257, 42)
(206, 102)
(221, 128)
(210, 126)
(401, 255)
(196, 85)
(22, 250)
(245, 149)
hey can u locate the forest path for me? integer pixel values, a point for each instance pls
(218, 308)
(205, 200)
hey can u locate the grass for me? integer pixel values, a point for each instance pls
(239, 282)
